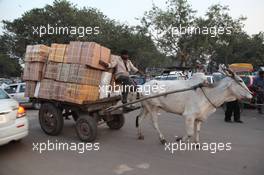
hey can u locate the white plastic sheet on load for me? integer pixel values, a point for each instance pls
(105, 85)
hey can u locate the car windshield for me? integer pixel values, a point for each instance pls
(11, 89)
(3, 95)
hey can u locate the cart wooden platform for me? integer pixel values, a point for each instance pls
(87, 116)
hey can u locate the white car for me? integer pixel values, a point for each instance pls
(17, 91)
(210, 79)
(173, 75)
(13, 120)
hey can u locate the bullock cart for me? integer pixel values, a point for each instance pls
(88, 115)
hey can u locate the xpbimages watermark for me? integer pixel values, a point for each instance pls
(213, 147)
(81, 31)
(146, 89)
(211, 31)
(205, 30)
(80, 148)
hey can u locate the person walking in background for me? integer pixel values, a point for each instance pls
(258, 86)
(232, 108)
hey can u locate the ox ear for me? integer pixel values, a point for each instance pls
(230, 72)
(222, 69)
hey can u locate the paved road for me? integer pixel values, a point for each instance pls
(121, 153)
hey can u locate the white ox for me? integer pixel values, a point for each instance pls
(194, 105)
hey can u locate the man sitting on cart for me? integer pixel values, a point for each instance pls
(259, 88)
(122, 69)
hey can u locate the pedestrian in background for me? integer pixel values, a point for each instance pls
(258, 86)
(232, 108)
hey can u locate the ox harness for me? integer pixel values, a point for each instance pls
(200, 85)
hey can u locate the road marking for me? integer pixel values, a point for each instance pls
(122, 169)
(143, 166)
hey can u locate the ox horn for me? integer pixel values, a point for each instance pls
(230, 72)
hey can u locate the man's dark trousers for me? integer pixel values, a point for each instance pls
(232, 107)
(260, 100)
(125, 81)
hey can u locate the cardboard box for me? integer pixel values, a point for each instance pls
(86, 93)
(65, 58)
(80, 74)
(33, 71)
(73, 73)
(30, 88)
(64, 71)
(46, 89)
(75, 93)
(57, 53)
(88, 76)
(67, 92)
(52, 52)
(38, 53)
(52, 70)
(92, 52)
(74, 52)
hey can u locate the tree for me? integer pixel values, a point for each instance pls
(215, 37)
(9, 67)
(116, 36)
(163, 26)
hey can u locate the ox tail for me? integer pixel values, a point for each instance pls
(137, 121)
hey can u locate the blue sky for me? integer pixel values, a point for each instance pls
(126, 11)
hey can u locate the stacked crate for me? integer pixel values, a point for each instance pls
(72, 72)
(35, 58)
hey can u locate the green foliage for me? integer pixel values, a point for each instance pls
(113, 35)
(186, 49)
(151, 44)
(159, 23)
(9, 67)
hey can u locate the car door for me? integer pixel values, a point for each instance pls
(20, 95)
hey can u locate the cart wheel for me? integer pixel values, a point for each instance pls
(50, 119)
(117, 122)
(86, 128)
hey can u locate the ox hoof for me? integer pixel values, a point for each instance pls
(178, 139)
(163, 141)
(140, 137)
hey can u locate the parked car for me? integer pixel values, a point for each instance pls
(210, 79)
(139, 80)
(217, 76)
(13, 120)
(173, 75)
(17, 91)
(4, 82)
